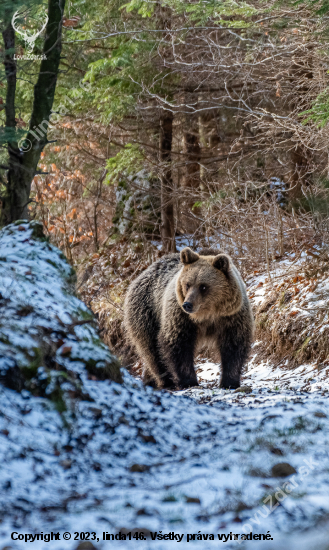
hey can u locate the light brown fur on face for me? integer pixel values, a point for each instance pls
(209, 284)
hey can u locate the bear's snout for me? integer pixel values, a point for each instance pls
(188, 307)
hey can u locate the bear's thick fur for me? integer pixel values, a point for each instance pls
(181, 303)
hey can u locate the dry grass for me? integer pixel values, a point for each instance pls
(291, 319)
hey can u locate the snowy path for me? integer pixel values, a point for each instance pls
(139, 459)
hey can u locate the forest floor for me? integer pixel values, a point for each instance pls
(142, 461)
(201, 464)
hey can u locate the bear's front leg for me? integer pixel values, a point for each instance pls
(177, 339)
(179, 357)
(234, 348)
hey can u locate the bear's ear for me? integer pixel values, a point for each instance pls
(222, 262)
(187, 256)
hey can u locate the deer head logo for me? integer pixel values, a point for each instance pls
(20, 21)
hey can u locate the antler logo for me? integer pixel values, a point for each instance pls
(21, 20)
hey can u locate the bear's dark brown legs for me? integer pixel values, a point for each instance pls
(178, 355)
(165, 381)
(165, 378)
(156, 373)
(234, 350)
(148, 380)
(229, 383)
(144, 328)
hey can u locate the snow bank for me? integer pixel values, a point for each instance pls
(47, 336)
(290, 305)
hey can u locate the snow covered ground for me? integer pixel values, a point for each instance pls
(259, 374)
(136, 458)
(202, 464)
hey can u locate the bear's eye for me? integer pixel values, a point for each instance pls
(188, 286)
(203, 288)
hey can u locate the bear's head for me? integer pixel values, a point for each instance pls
(208, 286)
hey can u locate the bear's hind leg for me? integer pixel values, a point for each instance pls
(143, 329)
(149, 380)
(155, 373)
(162, 381)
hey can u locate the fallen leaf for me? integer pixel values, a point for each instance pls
(139, 468)
(283, 469)
(66, 464)
(192, 500)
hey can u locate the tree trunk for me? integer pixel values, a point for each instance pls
(167, 203)
(191, 179)
(13, 150)
(298, 174)
(25, 155)
(192, 152)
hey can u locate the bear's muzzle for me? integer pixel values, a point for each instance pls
(188, 307)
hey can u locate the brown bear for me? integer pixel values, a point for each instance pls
(181, 303)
